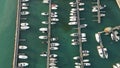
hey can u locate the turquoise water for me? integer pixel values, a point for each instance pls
(61, 30)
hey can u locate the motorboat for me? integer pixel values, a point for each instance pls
(86, 60)
(43, 37)
(44, 13)
(114, 36)
(83, 40)
(76, 57)
(74, 40)
(102, 15)
(83, 35)
(83, 26)
(100, 51)
(81, 4)
(23, 47)
(81, 9)
(53, 67)
(23, 64)
(87, 64)
(52, 59)
(85, 51)
(72, 23)
(71, 3)
(52, 64)
(74, 43)
(97, 36)
(53, 39)
(24, 0)
(54, 19)
(53, 48)
(23, 56)
(24, 24)
(25, 4)
(73, 14)
(53, 55)
(54, 6)
(114, 66)
(74, 34)
(54, 44)
(76, 63)
(25, 13)
(105, 53)
(24, 27)
(44, 54)
(78, 66)
(94, 9)
(118, 65)
(24, 7)
(85, 55)
(45, 22)
(43, 29)
(46, 1)
(73, 19)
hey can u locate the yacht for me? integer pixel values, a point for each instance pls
(46, 1)
(54, 44)
(53, 48)
(23, 56)
(81, 9)
(72, 23)
(118, 65)
(100, 51)
(114, 66)
(97, 36)
(25, 13)
(53, 67)
(43, 29)
(71, 3)
(22, 47)
(81, 4)
(73, 19)
(25, 4)
(83, 35)
(22, 64)
(43, 37)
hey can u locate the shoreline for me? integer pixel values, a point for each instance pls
(118, 3)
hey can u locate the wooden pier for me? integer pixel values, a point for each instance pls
(98, 13)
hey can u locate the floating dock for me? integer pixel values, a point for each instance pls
(17, 35)
(49, 34)
(79, 34)
(98, 13)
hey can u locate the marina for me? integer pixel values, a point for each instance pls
(52, 37)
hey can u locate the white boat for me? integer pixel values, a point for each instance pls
(72, 23)
(76, 57)
(53, 67)
(22, 47)
(81, 9)
(77, 66)
(87, 64)
(24, 24)
(53, 55)
(84, 40)
(43, 55)
(23, 57)
(105, 53)
(83, 35)
(85, 55)
(45, 1)
(53, 48)
(97, 36)
(24, 7)
(53, 59)
(100, 51)
(53, 39)
(86, 60)
(74, 43)
(112, 36)
(25, 13)
(44, 13)
(76, 63)
(54, 44)
(54, 19)
(45, 22)
(85, 51)
(25, 4)
(54, 6)
(52, 64)
(72, 3)
(24, 27)
(22, 64)
(114, 66)
(24, 0)
(83, 25)
(118, 65)
(43, 29)
(81, 4)
(43, 37)
(74, 34)
(72, 19)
